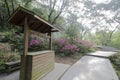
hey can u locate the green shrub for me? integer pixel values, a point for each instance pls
(7, 57)
(116, 63)
(16, 40)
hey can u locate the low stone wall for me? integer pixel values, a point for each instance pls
(39, 64)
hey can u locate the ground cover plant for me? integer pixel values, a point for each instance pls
(8, 57)
(116, 63)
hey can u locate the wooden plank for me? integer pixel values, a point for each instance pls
(48, 54)
(43, 70)
(40, 64)
(42, 61)
(40, 52)
(43, 73)
(42, 58)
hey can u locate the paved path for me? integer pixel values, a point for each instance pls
(57, 72)
(92, 68)
(87, 68)
(54, 75)
(102, 53)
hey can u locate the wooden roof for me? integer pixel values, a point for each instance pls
(35, 22)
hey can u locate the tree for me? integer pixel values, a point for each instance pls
(7, 7)
(53, 9)
(115, 42)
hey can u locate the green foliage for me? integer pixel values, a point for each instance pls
(116, 40)
(102, 37)
(116, 63)
(7, 57)
(15, 38)
(72, 32)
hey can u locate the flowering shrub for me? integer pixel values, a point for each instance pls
(34, 42)
(61, 42)
(85, 46)
(69, 49)
(63, 47)
(86, 43)
(34, 45)
(66, 47)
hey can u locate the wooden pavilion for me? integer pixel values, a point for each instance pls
(33, 23)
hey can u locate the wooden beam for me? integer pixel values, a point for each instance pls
(42, 28)
(39, 34)
(47, 30)
(54, 31)
(45, 22)
(35, 26)
(34, 21)
(50, 40)
(24, 55)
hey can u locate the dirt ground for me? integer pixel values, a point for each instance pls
(65, 60)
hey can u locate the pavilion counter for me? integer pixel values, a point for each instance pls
(39, 64)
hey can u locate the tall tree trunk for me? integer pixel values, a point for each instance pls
(7, 6)
(12, 5)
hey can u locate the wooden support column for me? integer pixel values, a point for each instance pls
(50, 40)
(23, 56)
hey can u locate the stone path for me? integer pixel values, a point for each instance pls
(92, 68)
(54, 75)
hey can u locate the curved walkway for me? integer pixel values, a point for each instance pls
(93, 67)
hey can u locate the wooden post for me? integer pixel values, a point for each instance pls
(23, 56)
(50, 41)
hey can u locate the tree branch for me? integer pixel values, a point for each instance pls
(52, 9)
(61, 10)
(111, 33)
